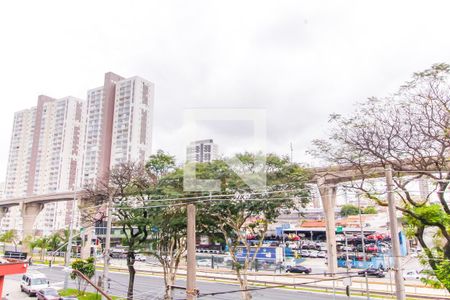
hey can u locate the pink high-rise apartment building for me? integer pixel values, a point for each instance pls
(118, 125)
(43, 156)
(62, 144)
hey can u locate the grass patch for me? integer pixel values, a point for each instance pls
(85, 296)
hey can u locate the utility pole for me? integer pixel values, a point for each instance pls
(399, 284)
(191, 290)
(69, 243)
(363, 244)
(292, 151)
(106, 257)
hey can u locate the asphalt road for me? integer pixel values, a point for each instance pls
(150, 287)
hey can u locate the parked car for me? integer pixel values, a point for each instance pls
(118, 253)
(304, 253)
(140, 257)
(372, 272)
(348, 248)
(298, 269)
(204, 262)
(322, 254)
(31, 283)
(47, 294)
(371, 248)
(313, 253)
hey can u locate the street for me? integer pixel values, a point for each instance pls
(151, 287)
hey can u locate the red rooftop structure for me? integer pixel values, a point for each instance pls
(10, 267)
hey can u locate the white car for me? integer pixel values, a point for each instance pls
(347, 248)
(304, 253)
(140, 257)
(204, 262)
(322, 254)
(313, 253)
(412, 274)
(33, 282)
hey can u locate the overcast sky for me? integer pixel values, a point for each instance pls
(299, 60)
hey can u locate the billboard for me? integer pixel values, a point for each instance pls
(272, 254)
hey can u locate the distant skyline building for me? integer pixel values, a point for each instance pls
(202, 151)
(65, 143)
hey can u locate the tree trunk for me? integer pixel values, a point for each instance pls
(243, 283)
(132, 273)
(169, 287)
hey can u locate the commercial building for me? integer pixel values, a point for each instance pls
(202, 151)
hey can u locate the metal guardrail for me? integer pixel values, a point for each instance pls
(319, 288)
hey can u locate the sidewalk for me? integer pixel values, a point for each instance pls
(11, 290)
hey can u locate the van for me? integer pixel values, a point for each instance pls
(33, 282)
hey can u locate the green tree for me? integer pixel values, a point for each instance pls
(54, 241)
(349, 210)
(167, 223)
(409, 131)
(250, 212)
(42, 243)
(32, 244)
(87, 267)
(370, 210)
(9, 236)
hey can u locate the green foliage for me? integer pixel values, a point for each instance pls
(9, 236)
(83, 296)
(54, 242)
(86, 267)
(349, 210)
(245, 211)
(160, 163)
(370, 210)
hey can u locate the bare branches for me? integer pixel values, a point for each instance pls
(411, 132)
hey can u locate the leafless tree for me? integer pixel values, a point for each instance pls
(409, 131)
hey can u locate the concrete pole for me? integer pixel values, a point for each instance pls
(69, 242)
(191, 289)
(29, 213)
(363, 244)
(3, 211)
(328, 195)
(399, 284)
(106, 257)
(87, 242)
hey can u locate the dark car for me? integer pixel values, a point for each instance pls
(47, 294)
(372, 272)
(298, 269)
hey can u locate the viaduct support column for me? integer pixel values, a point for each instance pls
(87, 222)
(3, 211)
(328, 195)
(29, 213)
